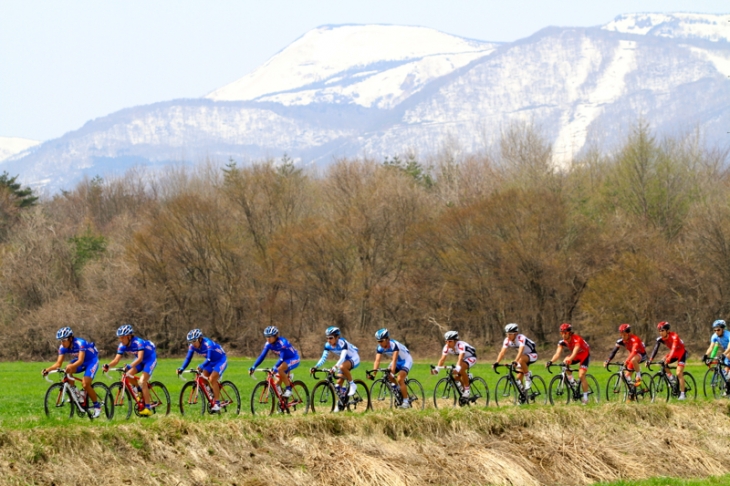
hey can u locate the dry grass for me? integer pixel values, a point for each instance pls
(557, 445)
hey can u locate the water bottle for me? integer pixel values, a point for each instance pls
(459, 386)
(278, 389)
(82, 397)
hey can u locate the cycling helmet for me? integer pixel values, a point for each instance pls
(271, 331)
(194, 335)
(662, 326)
(125, 330)
(565, 327)
(382, 334)
(332, 331)
(64, 332)
(451, 336)
(718, 323)
(624, 328)
(511, 328)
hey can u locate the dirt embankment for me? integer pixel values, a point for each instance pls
(559, 445)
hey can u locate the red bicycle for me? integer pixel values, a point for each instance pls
(125, 397)
(267, 394)
(199, 393)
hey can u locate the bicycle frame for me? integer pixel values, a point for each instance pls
(126, 380)
(576, 386)
(717, 367)
(66, 390)
(391, 379)
(284, 403)
(516, 383)
(454, 382)
(200, 381)
(630, 385)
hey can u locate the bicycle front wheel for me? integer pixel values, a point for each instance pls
(615, 390)
(190, 398)
(230, 398)
(121, 402)
(324, 397)
(662, 390)
(537, 393)
(479, 392)
(444, 395)
(262, 399)
(57, 403)
(381, 395)
(298, 402)
(712, 384)
(360, 401)
(690, 386)
(505, 392)
(159, 398)
(416, 393)
(558, 392)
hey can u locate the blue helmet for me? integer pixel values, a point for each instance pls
(125, 330)
(271, 331)
(382, 334)
(332, 331)
(718, 323)
(194, 335)
(64, 332)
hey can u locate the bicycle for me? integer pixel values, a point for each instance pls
(199, 388)
(126, 397)
(267, 395)
(715, 379)
(64, 399)
(325, 396)
(562, 389)
(385, 392)
(509, 386)
(620, 387)
(666, 388)
(449, 391)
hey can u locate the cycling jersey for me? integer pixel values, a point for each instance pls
(404, 361)
(470, 354)
(633, 345)
(282, 348)
(723, 341)
(345, 349)
(213, 352)
(77, 346)
(138, 344)
(584, 350)
(675, 345)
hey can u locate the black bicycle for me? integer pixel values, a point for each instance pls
(716, 383)
(385, 392)
(563, 390)
(621, 388)
(449, 391)
(666, 387)
(326, 398)
(510, 390)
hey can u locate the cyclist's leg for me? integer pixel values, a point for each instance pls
(680, 371)
(345, 372)
(582, 374)
(634, 366)
(400, 376)
(524, 368)
(464, 372)
(89, 374)
(282, 368)
(144, 378)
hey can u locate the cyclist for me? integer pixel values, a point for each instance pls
(85, 360)
(580, 353)
(214, 365)
(400, 363)
(636, 349)
(466, 358)
(526, 353)
(349, 358)
(677, 353)
(288, 357)
(719, 342)
(144, 363)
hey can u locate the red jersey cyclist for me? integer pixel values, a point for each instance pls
(637, 352)
(466, 358)
(580, 353)
(526, 352)
(677, 353)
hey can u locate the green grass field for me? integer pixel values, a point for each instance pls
(21, 403)
(713, 481)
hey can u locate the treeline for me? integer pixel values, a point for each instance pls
(637, 235)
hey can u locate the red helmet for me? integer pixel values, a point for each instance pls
(565, 327)
(662, 326)
(624, 328)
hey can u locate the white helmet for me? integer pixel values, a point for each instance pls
(451, 335)
(512, 327)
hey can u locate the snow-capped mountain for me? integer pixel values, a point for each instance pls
(383, 90)
(10, 146)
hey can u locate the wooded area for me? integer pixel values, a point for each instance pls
(637, 234)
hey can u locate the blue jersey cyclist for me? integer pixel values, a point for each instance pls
(720, 343)
(288, 357)
(214, 365)
(144, 363)
(400, 361)
(349, 357)
(85, 360)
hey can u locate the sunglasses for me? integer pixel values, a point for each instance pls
(381, 340)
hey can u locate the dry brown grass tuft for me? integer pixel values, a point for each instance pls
(557, 445)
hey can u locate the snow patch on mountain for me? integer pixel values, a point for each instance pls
(10, 146)
(676, 25)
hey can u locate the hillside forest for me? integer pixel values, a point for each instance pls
(636, 233)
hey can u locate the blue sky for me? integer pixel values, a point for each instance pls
(63, 63)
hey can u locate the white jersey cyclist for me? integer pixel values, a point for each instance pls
(404, 361)
(522, 340)
(346, 350)
(470, 354)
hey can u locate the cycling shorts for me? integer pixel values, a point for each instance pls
(583, 362)
(403, 367)
(88, 369)
(532, 357)
(291, 364)
(146, 367)
(216, 366)
(354, 362)
(470, 361)
(682, 360)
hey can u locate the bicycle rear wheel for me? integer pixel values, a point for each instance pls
(558, 391)
(594, 391)
(57, 404)
(298, 402)
(121, 402)
(381, 396)
(537, 394)
(262, 399)
(324, 397)
(505, 392)
(690, 386)
(159, 398)
(479, 393)
(360, 401)
(230, 399)
(444, 394)
(103, 397)
(416, 393)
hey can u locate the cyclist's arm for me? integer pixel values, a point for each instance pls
(116, 359)
(140, 357)
(208, 358)
(261, 357)
(557, 354)
(712, 345)
(376, 364)
(674, 347)
(72, 367)
(500, 356)
(574, 353)
(343, 357)
(654, 351)
(613, 353)
(55, 365)
(460, 361)
(520, 352)
(322, 359)
(188, 358)
(393, 361)
(442, 360)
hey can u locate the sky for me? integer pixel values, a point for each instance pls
(65, 62)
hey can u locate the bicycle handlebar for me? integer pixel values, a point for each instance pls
(314, 372)
(511, 366)
(194, 371)
(562, 365)
(370, 373)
